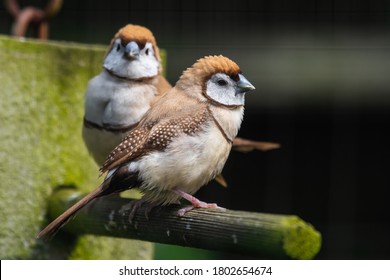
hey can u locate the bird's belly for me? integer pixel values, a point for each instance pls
(188, 163)
(100, 142)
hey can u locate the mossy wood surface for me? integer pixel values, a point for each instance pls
(246, 233)
(42, 86)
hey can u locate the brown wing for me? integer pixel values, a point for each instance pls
(153, 136)
(131, 147)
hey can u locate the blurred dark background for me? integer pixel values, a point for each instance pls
(322, 76)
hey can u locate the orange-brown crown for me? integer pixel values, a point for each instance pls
(207, 66)
(137, 33)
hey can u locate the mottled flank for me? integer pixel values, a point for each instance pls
(130, 148)
(153, 136)
(166, 132)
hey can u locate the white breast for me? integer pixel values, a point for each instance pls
(117, 102)
(188, 163)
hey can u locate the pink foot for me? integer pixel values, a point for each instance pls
(196, 203)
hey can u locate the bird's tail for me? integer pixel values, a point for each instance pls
(50, 230)
(246, 145)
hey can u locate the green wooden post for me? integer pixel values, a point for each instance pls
(42, 86)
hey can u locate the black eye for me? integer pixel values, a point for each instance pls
(147, 51)
(118, 47)
(222, 82)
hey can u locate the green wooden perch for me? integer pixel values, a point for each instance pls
(246, 233)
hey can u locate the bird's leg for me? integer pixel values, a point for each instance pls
(134, 205)
(195, 203)
(148, 208)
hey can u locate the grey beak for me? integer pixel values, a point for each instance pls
(243, 85)
(132, 50)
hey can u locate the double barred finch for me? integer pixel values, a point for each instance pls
(180, 144)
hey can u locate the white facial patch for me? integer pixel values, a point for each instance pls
(221, 88)
(144, 66)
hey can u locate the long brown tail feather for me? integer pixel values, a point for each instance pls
(246, 145)
(50, 230)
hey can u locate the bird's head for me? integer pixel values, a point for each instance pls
(133, 54)
(219, 79)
